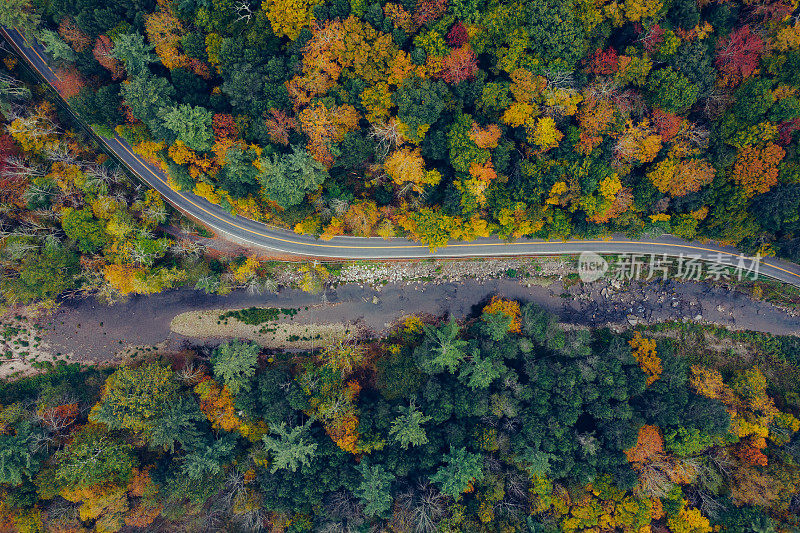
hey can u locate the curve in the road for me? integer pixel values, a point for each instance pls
(251, 233)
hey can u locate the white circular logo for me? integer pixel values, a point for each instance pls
(591, 267)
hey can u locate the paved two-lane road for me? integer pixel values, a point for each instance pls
(255, 234)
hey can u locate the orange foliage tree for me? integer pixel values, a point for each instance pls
(69, 31)
(658, 471)
(279, 124)
(217, 404)
(487, 137)
(644, 351)
(325, 126)
(165, 32)
(69, 82)
(102, 53)
(594, 117)
(649, 445)
(428, 10)
(756, 169)
(225, 128)
(361, 218)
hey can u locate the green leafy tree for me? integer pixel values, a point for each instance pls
(42, 275)
(374, 491)
(239, 176)
(177, 424)
(272, 395)
(289, 450)
(496, 325)
(480, 372)
(56, 48)
(81, 226)
(556, 34)
(235, 362)
(461, 470)
(19, 14)
(419, 103)
(192, 125)
(285, 179)
(135, 398)
(99, 106)
(208, 459)
(94, 457)
(18, 458)
(131, 49)
(407, 427)
(670, 90)
(146, 95)
(445, 347)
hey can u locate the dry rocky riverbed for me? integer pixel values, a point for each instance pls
(91, 331)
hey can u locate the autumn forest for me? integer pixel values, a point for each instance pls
(437, 120)
(507, 422)
(453, 119)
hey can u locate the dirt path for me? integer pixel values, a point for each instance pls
(91, 331)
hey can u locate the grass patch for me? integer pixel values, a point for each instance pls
(255, 316)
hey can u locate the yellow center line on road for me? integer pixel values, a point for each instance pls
(391, 247)
(455, 245)
(38, 55)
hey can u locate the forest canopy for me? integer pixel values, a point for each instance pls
(506, 421)
(452, 119)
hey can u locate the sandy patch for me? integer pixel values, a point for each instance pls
(22, 351)
(278, 334)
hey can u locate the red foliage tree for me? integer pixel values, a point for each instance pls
(428, 10)
(738, 54)
(667, 125)
(460, 65)
(70, 82)
(225, 127)
(69, 31)
(279, 124)
(457, 35)
(604, 63)
(199, 68)
(7, 148)
(653, 38)
(785, 130)
(102, 53)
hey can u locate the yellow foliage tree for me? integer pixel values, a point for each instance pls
(288, 17)
(636, 10)
(753, 412)
(545, 133)
(638, 143)
(644, 351)
(689, 520)
(679, 178)
(510, 308)
(377, 100)
(407, 165)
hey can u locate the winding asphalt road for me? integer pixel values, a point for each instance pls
(254, 234)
